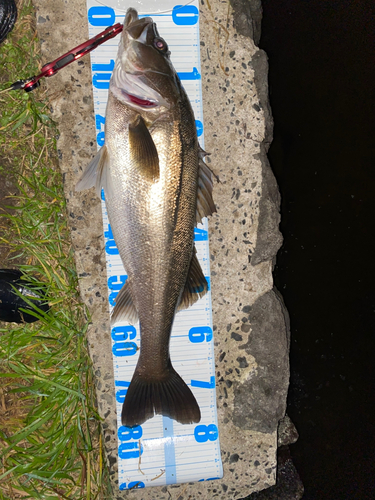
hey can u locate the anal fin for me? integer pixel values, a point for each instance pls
(124, 309)
(96, 174)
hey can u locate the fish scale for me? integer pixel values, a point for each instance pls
(164, 442)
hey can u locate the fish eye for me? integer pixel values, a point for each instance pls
(160, 44)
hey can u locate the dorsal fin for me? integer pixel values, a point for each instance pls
(205, 202)
(196, 285)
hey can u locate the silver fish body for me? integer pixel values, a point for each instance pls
(156, 188)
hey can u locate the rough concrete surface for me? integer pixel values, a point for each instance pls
(250, 325)
(289, 485)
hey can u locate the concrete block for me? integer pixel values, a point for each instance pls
(250, 322)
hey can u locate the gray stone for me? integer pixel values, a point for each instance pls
(269, 238)
(259, 401)
(287, 433)
(247, 16)
(259, 64)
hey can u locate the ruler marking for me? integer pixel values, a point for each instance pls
(171, 452)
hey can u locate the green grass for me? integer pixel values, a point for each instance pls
(50, 432)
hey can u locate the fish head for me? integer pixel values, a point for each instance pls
(144, 77)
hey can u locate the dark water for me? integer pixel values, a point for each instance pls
(322, 79)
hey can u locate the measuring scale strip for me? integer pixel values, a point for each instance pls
(161, 451)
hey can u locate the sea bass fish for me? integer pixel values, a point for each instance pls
(157, 187)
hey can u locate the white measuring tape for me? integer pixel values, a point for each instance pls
(161, 451)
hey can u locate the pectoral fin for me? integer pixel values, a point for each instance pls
(205, 202)
(96, 174)
(196, 285)
(143, 150)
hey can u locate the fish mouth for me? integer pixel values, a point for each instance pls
(135, 27)
(130, 80)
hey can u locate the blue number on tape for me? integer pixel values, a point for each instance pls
(199, 334)
(122, 349)
(208, 279)
(100, 139)
(117, 282)
(120, 394)
(123, 333)
(199, 127)
(190, 75)
(128, 433)
(112, 298)
(204, 433)
(108, 233)
(185, 15)
(101, 16)
(133, 485)
(101, 80)
(204, 385)
(99, 121)
(129, 450)
(110, 246)
(104, 67)
(200, 234)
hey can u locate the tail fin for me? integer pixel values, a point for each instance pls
(170, 397)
